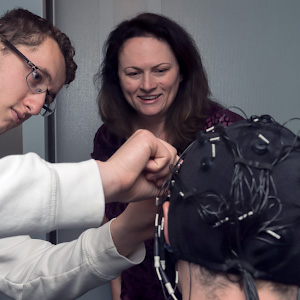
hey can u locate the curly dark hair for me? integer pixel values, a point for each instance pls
(21, 27)
(187, 113)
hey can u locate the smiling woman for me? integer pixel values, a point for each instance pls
(151, 77)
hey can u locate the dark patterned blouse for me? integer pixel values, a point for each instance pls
(140, 282)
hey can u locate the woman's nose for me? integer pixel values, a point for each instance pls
(148, 82)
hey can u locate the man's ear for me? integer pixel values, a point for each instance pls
(166, 206)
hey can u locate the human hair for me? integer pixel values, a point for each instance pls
(21, 27)
(186, 115)
(282, 291)
(212, 283)
(215, 284)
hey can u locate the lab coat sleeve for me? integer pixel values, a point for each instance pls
(34, 269)
(36, 196)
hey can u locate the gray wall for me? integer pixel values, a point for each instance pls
(250, 50)
(11, 142)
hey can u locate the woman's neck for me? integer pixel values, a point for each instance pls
(156, 126)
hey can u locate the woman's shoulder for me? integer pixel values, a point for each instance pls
(218, 114)
(105, 143)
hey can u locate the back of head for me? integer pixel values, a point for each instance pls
(234, 202)
(204, 284)
(21, 27)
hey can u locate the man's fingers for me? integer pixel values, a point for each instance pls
(163, 155)
(136, 166)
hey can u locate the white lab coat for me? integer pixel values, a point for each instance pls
(36, 196)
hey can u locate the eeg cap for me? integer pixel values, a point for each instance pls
(234, 201)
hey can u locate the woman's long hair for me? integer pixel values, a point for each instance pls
(187, 113)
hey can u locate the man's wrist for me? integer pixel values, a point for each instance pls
(109, 180)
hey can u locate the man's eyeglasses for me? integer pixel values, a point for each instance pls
(36, 80)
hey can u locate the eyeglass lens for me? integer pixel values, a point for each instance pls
(38, 83)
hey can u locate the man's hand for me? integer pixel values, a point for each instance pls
(137, 170)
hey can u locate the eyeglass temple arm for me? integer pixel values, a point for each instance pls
(13, 48)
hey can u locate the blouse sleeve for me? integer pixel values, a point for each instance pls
(219, 115)
(105, 145)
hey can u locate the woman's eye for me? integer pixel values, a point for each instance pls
(161, 71)
(132, 73)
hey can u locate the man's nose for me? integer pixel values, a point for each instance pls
(34, 103)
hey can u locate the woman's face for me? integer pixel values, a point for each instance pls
(149, 75)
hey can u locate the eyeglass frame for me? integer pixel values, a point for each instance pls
(48, 111)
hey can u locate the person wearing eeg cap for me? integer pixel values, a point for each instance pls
(232, 214)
